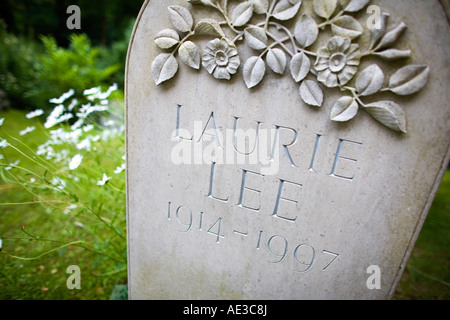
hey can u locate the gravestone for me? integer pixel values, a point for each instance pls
(282, 149)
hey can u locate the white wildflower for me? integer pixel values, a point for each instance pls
(63, 97)
(27, 130)
(77, 124)
(50, 122)
(95, 138)
(91, 91)
(88, 127)
(72, 104)
(75, 135)
(84, 144)
(57, 111)
(104, 180)
(79, 224)
(108, 123)
(60, 156)
(3, 144)
(120, 169)
(35, 113)
(1, 244)
(65, 117)
(12, 165)
(59, 183)
(70, 208)
(75, 162)
(1, 121)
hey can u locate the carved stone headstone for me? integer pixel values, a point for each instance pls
(282, 149)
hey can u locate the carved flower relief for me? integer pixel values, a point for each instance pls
(337, 62)
(220, 58)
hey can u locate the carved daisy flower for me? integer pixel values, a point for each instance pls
(220, 58)
(337, 62)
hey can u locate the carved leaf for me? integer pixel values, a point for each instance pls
(311, 93)
(347, 26)
(389, 114)
(204, 2)
(256, 37)
(167, 38)
(353, 5)
(306, 31)
(409, 79)
(276, 60)
(300, 66)
(254, 70)
(325, 8)
(370, 80)
(242, 13)
(344, 109)
(393, 54)
(392, 36)
(286, 9)
(377, 33)
(209, 27)
(164, 67)
(181, 18)
(190, 54)
(260, 6)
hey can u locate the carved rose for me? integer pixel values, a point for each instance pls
(337, 62)
(260, 24)
(220, 58)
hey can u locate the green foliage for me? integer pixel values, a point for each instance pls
(103, 20)
(55, 214)
(117, 53)
(31, 72)
(18, 66)
(427, 274)
(76, 67)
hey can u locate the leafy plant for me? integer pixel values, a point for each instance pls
(18, 67)
(74, 173)
(76, 67)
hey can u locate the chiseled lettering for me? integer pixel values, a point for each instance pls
(281, 198)
(340, 157)
(211, 184)
(239, 137)
(244, 188)
(177, 128)
(285, 146)
(216, 134)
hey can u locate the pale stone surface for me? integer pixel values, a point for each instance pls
(358, 205)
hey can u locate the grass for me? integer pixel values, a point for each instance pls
(427, 274)
(103, 262)
(90, 235)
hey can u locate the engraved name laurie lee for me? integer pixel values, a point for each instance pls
(344, 166)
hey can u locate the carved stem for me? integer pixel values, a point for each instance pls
(329, 22)
(354, 94)
(190, 34)
(277, 42)
(269, 14)
(280, 42)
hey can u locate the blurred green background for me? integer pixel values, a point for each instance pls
(40, 58)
